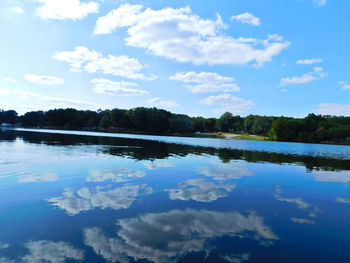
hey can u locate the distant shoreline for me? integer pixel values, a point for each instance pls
(320, 129)
(217, 135)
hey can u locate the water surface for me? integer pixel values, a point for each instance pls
(80, 197)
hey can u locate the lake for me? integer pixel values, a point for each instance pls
(68, 196)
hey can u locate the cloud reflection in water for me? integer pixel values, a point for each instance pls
(48, 252)
(115, 175)
(226, 171)
(200, 190)
(84, 199)
(160, 237)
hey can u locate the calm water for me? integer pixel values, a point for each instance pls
(70, 197)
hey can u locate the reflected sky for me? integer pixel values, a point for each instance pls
(76, 198)
(200, 190)
(85, 199)
(160, 237)
(47, 251)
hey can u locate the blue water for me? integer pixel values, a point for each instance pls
(81, 197)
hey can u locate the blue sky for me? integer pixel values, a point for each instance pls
(203, 57)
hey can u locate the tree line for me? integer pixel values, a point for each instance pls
(313, 128)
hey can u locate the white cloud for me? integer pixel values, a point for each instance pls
(17, 10)
(202, 77)
(122, 66)
(164, 237)
(206, 82)
(154, 165)
(213, 88)
(229, 102)
(344, 85)
(162, 103)
(54, 101)
(320, 2)
(4, 245)
(120, 88)
(43, 80)
(180, 35)
(85, 200)
(247, 18)
(318, 69)
(115, 175)
(302, 221)
(200, 190)
(343, 200)
(44, 251)
(50, 177)
(52, 252)
(300, 203)
(332, 177)
(225, 171)
(9, 79)
(81, 58)
(76, 58)
(305, 78)
(333, 109)
(234, 258)
(66, 9)
(309, 61)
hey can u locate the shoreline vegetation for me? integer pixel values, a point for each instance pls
(153, 121)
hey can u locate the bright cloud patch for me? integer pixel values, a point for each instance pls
(9, 79)
(206, 82)
(247, 18)
(66, 9)
(162, 103)
(225, 171)
(50, 177)
(91, 61)
(43, 80)
(53, 252)
(115, 175)
(4, 245)
(320, 2)
(154, 165)
(200, 190)
(332, 177)
(305, 78)
(343, 200)
(333, 109)
(164, 237)
(48, 251)
(309, 61)
(79, 56)
(17, 10)
(180, 35)
(53, 101)
(344, 85)
(302, 221)
(229, 102)
(85, 199)
(120, 88)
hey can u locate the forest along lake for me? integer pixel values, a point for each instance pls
(80, 197)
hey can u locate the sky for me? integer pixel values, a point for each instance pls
(200, 58)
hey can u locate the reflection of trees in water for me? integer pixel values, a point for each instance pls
(151, 150)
